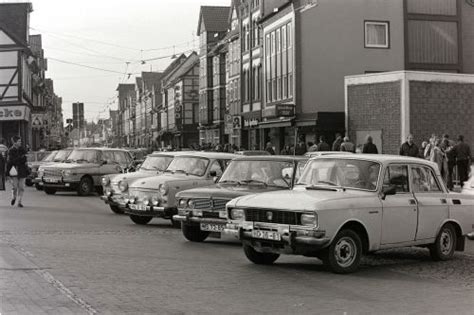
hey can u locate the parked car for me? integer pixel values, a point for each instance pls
(321, 153)
(202, 210)
(82, 171)
(33, 159)
(347, 205)
(156, 196)
(57, 156)
(252, 152)
(115, 186)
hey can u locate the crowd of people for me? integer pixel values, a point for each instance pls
(445, 152)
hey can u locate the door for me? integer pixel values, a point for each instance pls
(432, 201)
(400, 211)
(111, 166)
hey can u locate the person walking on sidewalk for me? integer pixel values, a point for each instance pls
(462, 151)
(409, 148)
(348, 146)
(369, 146)
(17, 170)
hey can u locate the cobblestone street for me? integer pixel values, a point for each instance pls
(71, 255)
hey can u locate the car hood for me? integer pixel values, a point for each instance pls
(131, 176)
(297, 200)
(155, 181)
(68, 166)
(225, 191)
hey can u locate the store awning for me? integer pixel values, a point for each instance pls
(275, 123)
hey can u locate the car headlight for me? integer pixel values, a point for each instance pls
(123, 186)
(309, 219)
(146, 202)
(66, 173)
(155, 201)
(182, 203)
(237, 214)
(108, 193)
(134, 199)
(163, 189)
(191, 204)
(105, 181)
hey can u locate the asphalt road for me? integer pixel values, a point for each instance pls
(65, 254)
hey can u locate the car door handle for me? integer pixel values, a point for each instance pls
(444, 201)
(412, 201)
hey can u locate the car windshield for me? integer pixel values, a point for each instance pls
(31, 157)
(79, 156)
(189, 165)
(62, 155)
(269, 173)
(50, 157)
(159, 163)
(346, 173)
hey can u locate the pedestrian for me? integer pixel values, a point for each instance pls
(2, 172)
(312, 147)
(369, 146)
(348, 146)
(322, 145)
(463, 159)
(450, 162)
(422, 149)
(430, 146)
(285, 150)
(17, 170)
(409, 148)
(438, 157)
(336, 145)
(3, 148)
(269, 148)
(300, 148)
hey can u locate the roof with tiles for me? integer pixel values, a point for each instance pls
(213, 19)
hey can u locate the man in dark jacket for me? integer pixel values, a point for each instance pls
(369, 146)
(322, 145)
(17, 170)
(462, 151)
(269, 148)
(409, 148)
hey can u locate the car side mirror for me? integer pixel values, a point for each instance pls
(287, 173)
(389, 191)
(103, 162)
(213, 174)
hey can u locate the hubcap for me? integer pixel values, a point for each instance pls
(446, 242)
(345, 252)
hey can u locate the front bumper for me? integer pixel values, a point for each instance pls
(293, 240)
(62, 184)
(114, 200)
(153, 211)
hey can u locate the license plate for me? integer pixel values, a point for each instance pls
(266, 235)
(138, 207)
(52, 180)
(209, 227)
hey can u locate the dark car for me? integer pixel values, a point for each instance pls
(202, 210)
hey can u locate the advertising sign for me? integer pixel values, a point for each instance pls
(285, 110)
(8, 113)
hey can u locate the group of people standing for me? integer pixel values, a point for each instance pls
(340, 144)
(444, 152)
(13, 166)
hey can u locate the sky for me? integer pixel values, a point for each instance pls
(112, 35)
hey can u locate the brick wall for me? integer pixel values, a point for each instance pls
(376, 107)
(442, 108)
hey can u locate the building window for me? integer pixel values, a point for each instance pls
(377, 34)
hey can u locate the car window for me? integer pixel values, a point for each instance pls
(108, 157)
(423, 180)
(397, 175)
(216, 167)
(121, 158)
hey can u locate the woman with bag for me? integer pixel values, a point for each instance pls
(17, 170)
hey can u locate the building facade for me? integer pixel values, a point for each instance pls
(126, 114)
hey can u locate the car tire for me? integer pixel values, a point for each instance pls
(38, 187)
(445, 244)
(344, 253)
(140, 220)
(116, 209)
(259, 258)
(193, 233)
(85, 186)
(49, 191)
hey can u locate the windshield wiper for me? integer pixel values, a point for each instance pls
(68, 161)
(248, 181)
(81, 160)
(228, 181)
(313, 187)
(181, 171)
(326, 182)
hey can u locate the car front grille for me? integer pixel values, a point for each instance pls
(273, 216)
(210, 215)
(210, 204)
(143, 194)
(52, 173)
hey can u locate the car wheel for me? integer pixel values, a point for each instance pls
(50, 191)
(193, 233)
(140, 220)
(344, 253)
(259, 258)
(38, 187)
(445, 244)
(116, 209)
(85, 186)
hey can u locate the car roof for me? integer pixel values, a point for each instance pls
(169, 153)
(102, 149)
(282, 158)
(209, 155)
(320, 153)
(382, 158)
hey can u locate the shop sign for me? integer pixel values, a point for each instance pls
(285, 110)
(237, 122)
(14, 113)
(228, 126)
(253, 122)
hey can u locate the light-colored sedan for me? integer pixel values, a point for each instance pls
(347, 205)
